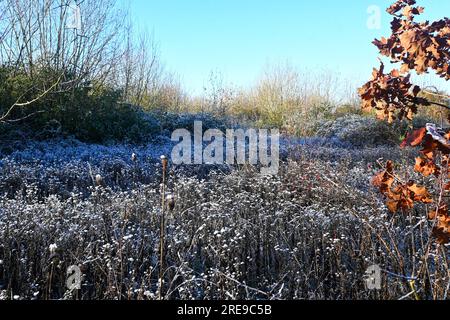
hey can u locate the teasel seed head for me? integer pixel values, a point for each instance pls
(164, 162)
(170, 199)
(98, 180)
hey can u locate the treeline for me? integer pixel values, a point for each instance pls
(106, 81)
(87, 82)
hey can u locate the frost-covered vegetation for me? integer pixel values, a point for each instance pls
(83, 125)
(308, 233)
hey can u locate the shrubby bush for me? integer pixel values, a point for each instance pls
(361, 131)
(92, 113)
(174, 121)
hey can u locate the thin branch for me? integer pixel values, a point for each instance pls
(440, 105)
(242, 284)
(17, 104)
(23, 118)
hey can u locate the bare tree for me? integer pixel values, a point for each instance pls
(140, 71)
(218, 95)
(35, 35)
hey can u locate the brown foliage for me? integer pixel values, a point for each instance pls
(391, 95)
(401, 196)
(417, 46)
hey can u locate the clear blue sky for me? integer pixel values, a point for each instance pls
(239, 37)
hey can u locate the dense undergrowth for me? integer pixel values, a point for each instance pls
(308, 233)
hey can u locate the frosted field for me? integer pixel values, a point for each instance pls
(308, 232)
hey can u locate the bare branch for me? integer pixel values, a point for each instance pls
(4, 117)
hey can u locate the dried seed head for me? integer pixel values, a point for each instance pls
(98, 180)
(164, 162)
(170, 199)
(53, 247)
